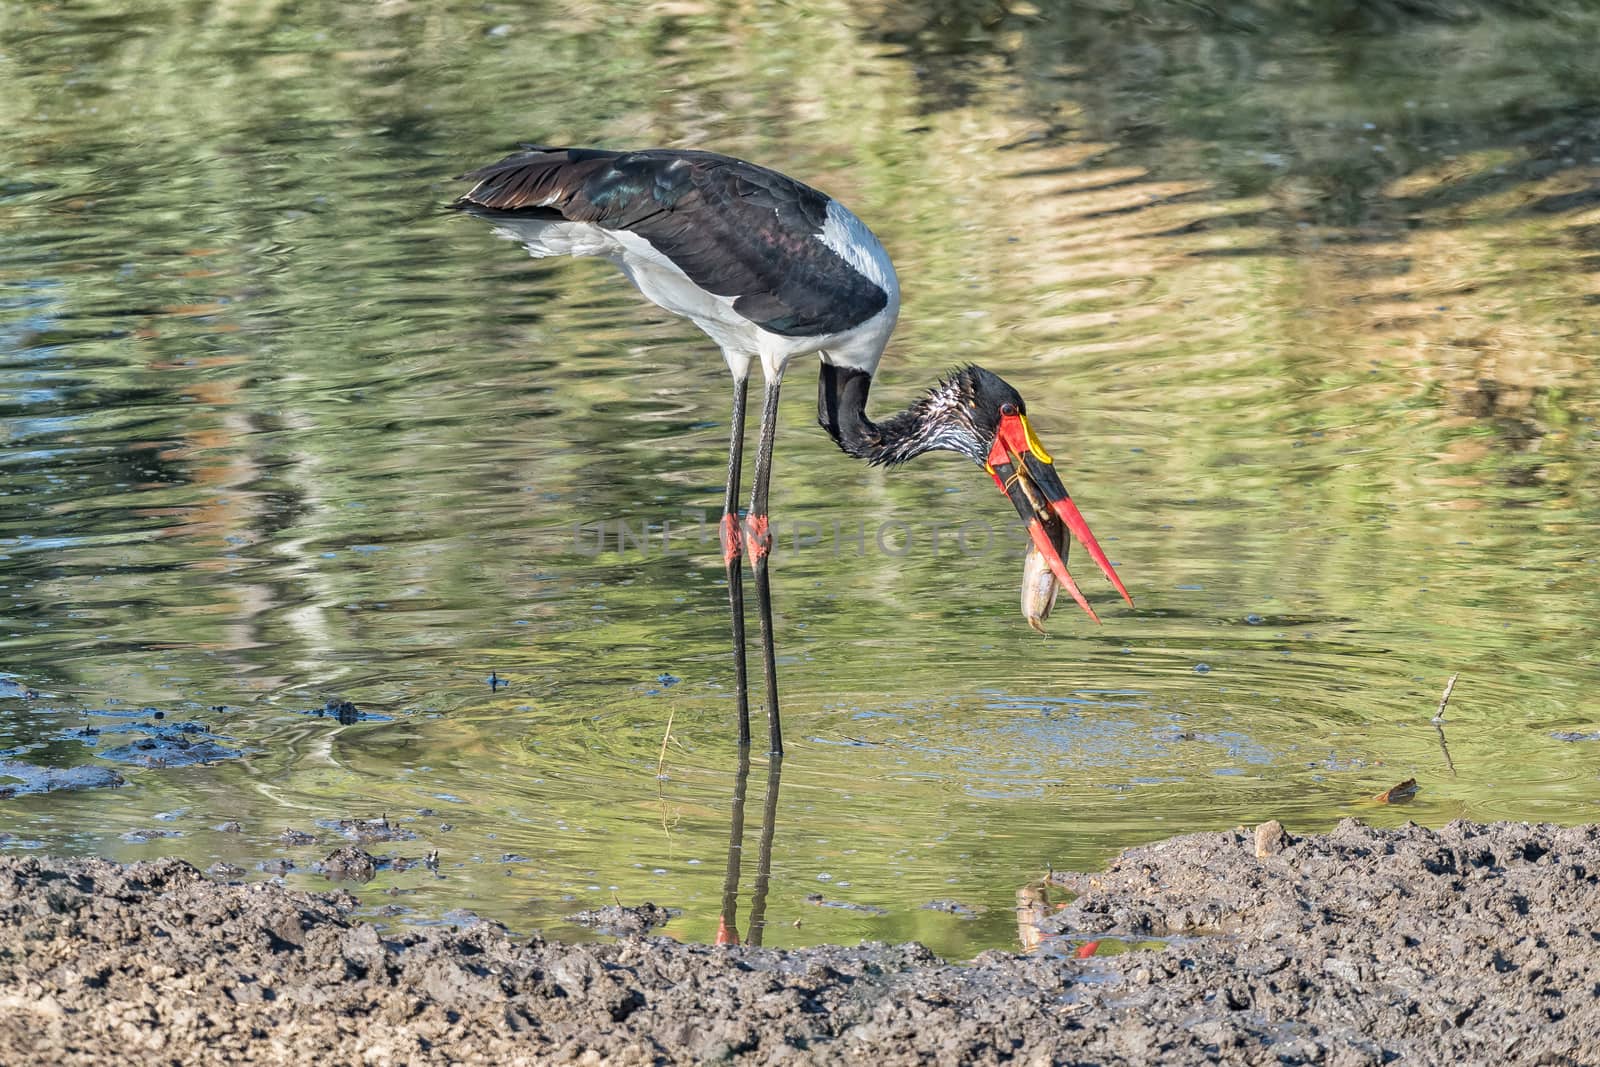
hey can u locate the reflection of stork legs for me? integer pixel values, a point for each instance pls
(728, 921)
(769, 823)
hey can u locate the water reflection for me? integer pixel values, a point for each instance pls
(728, 920)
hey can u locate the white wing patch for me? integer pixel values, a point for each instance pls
(551, 237)
(856, 245)
(861, 347)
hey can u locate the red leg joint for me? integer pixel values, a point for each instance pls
(729, 534)
(757, 536)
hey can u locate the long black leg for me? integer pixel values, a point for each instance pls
(731, 552)
(760, 544)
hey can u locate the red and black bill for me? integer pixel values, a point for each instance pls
(1024, 472)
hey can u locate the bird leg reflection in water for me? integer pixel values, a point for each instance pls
(771, 269)
(728, 921)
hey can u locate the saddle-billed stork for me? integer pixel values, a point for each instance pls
(771, 269)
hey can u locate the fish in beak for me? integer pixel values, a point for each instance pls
(1024, 472)
(1039, 585)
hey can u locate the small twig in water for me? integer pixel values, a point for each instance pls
(661, 760)
(1449, 687)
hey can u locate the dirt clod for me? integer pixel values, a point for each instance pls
(1271, 839)
(350, 864)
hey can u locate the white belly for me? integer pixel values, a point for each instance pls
(663, 284)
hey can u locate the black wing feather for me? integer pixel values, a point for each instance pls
(736, 229)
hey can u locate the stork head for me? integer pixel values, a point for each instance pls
(978, 414)
(996, 435)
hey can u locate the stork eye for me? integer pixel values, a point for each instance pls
(1008, 409)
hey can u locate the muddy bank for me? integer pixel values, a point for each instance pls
(1360, 946)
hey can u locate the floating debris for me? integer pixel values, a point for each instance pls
(225, 871)
(296, 838)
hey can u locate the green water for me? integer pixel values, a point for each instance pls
(1305, 304)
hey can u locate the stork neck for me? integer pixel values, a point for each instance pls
(842, 411)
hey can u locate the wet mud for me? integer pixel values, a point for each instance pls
(368, 831)
(176, 749)
(147, 741)
(20, 778)
(146, 738)
(1360, 946)
(11, 689)
(622, 919)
